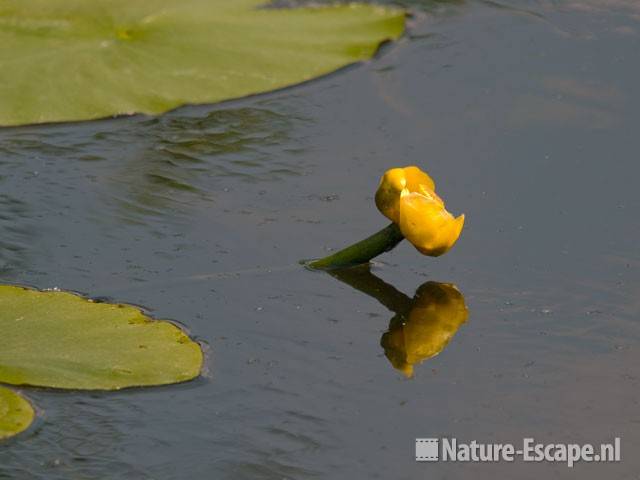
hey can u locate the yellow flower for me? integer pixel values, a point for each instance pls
(437, 312)
(426, 223)
(407, 197)
(393, 182)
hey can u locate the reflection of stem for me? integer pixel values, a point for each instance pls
(366, 282)
(361, 252)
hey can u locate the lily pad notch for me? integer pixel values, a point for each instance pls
(72, 60)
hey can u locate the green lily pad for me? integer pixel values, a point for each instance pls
(16, 413)
(61, 340)
(67, 60)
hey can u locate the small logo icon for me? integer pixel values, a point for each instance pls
(426, 449)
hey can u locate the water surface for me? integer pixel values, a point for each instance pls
(526, 114)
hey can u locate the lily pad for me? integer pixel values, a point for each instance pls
(67, 60)
(16, 413)
(61, 340)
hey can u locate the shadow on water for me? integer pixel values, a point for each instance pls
(422, 326)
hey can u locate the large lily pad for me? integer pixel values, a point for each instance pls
(16, 413)
(66, 60)
(59, 339)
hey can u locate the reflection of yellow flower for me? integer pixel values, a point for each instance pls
(407, 197)
(436, 313)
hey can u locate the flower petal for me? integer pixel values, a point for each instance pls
(416, 177)
(394, 181)
(427, 224)
(388, 194)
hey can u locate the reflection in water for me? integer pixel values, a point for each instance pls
(437, 311)
(78, 428)
(423, 325)
(150, 171)
(15, 235)
(185, 156)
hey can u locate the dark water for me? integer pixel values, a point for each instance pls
(527, 115)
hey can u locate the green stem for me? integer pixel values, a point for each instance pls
(361, 252)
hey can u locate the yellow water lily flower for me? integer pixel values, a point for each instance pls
(437, 312)
(427, 224)
(407, 197)
(393, 182)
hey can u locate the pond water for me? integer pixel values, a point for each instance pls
(526, 113)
